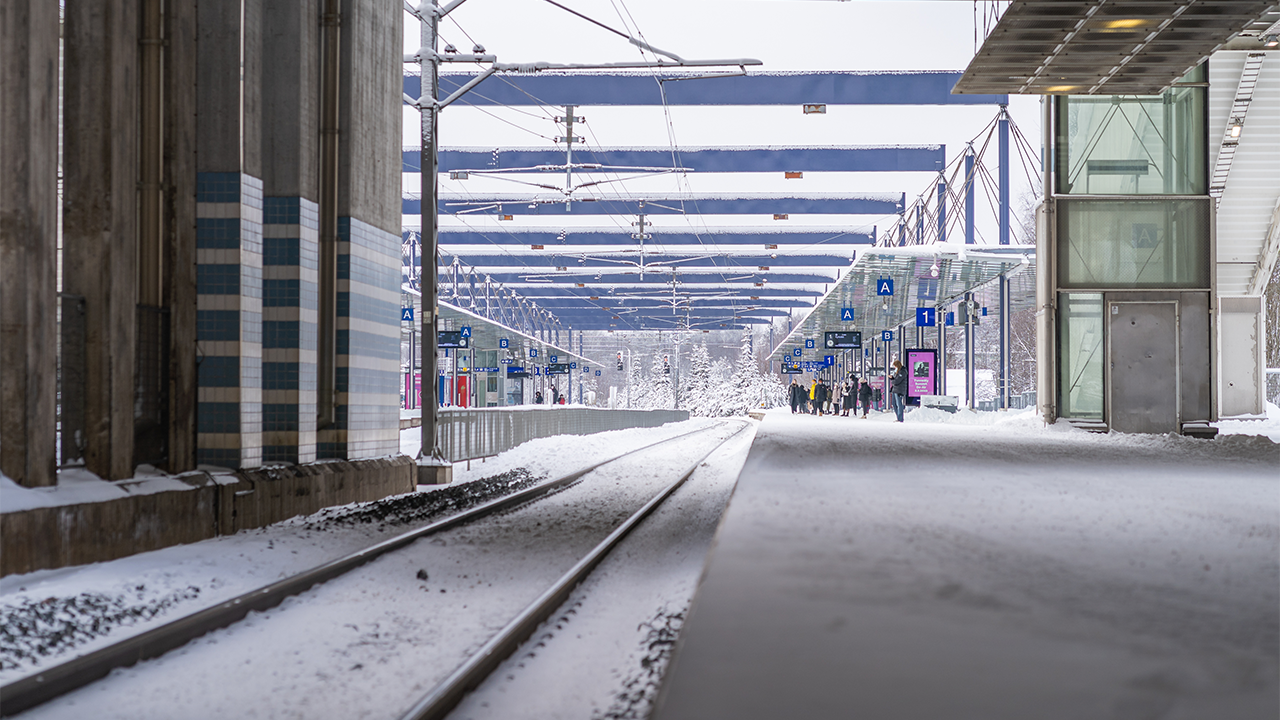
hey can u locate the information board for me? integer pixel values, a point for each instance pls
(844, 340)
(922, 372)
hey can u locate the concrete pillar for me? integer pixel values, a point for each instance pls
(179, 218)
(229, 235)
(367, 420)
(290, 229)
(28, 240)
(100, 230)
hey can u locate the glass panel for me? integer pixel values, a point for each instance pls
(1133, 145)
(1080, 355)
(1133, 243)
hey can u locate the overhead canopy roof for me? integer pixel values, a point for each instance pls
(485, 335)
(961, 269)
(1107, 47)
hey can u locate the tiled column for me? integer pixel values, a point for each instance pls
(368, 343)
(229, 319)
(290, 240)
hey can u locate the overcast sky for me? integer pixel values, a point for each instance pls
(784, 34)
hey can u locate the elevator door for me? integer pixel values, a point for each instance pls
(1143, 341)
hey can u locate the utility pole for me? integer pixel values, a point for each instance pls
(433, 468)
(641, 236)
(568, 141)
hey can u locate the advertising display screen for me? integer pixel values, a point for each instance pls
(844, 340)
(922, 372)
(451, 339)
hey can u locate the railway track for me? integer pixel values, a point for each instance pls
(59, 680)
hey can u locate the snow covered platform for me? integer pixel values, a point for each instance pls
(985, 566)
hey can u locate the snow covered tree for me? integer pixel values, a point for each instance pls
(696, 396)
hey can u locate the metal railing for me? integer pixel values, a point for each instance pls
(483, 432)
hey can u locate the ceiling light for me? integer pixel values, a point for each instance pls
(1271, 41)
(1060, 88)
(1237, 124)
(1125, 23)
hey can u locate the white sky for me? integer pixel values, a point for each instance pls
(786, 35)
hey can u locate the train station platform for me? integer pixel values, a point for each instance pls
(1009, 570)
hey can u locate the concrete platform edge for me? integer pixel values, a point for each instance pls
(53, 537)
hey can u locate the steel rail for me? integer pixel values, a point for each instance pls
(441, 700)
(50, 683)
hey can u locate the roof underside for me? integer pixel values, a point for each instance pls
(1103, 47)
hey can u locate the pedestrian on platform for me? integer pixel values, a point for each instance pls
(795, 395)
(537, 397)
(864, 394)
(850, 397)
(898, 389)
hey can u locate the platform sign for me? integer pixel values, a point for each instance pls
(555, 358)
(485, 369)
(503, 342)
(828, 360)
(808, 344)
(406, 314)
(465, 331)
(791, 369)
(926, 317)
(884, 286)
(843, 340)
(537, 370)
(574, 366)
(517, 372)
(950, 319)
(558, 369)
(797, 352)
(887, 336)
(846, 314)
(533, 352)
(597, 373)
(922, 372)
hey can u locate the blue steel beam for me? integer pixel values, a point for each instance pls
(908, 158)
(747, 293)
(450, 237)
(755, 88)
(726, 277)
(626, 261)
(743, 205)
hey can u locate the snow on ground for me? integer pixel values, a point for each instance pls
(985, 565)
(369, 643)
(139, 592)
(603, 655)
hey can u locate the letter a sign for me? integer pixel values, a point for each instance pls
(884, 286)
(846, 314)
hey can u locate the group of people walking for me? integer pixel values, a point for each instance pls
(819, 399)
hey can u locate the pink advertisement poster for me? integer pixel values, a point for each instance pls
(922, 372)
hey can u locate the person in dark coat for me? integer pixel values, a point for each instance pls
(795, 395)
(850, 397)
(864, 394)
(819, 398)
(898, 389)
(537, 398)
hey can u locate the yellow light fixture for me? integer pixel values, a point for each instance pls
(1125, 23)
(1060, 88)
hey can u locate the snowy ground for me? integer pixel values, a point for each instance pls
(339, 650)
(986, 566)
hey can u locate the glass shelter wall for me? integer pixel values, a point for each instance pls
(1134, 145)
(1138, 243)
